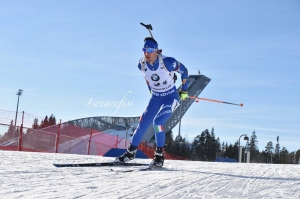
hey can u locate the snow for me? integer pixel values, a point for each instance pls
(32, 175)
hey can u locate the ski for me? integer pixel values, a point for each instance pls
(148, 168)
(100, 164)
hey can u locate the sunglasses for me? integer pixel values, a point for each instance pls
(149, 50)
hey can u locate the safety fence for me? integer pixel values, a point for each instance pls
(62, 138)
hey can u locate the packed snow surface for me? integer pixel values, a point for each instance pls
(32, 175)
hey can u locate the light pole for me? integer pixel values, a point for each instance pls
(240, 150)
(19, 93)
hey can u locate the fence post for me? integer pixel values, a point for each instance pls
(70, 141)
(89, 143)
(57, 137)
(117, 141)
(21, 133)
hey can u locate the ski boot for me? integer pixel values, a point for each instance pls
(158, 160)
(127, 156)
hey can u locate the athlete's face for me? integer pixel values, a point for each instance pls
(150, 57)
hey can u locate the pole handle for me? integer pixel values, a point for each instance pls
(147, 26)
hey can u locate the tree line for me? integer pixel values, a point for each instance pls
(207, 147)
(13, 131)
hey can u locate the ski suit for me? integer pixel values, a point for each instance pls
(165, 98)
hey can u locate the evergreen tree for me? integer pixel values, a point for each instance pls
(35, 124)
(235, 150)
(41, 125)
(298, 156)
(218, 147)
(284, 156)
(269, 151)
(52, 120)
(277, 152)
(48, 121)
(264, 157)
(195, 144)
(223, 149)
(209, 145)
(230, 152)
(198, 147)
(12, 132)
(254, 152)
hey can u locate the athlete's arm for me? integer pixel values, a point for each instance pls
(174, 65)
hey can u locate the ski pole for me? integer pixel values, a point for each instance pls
(211, 100)
(148, 27)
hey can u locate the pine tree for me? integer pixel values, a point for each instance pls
(269, 151)
(284, 156)
(48, 121)
(230, 152)
(223, 149)
(199, 147)
(52, 120)
(12, 132)
(254, 152)
(208, 146)
(263, 156)
(218, 147)
(298, 156)
(277, 152)
(35, 124)
(195, 144)
(235, 150)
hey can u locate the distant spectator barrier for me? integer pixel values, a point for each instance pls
(62, 138)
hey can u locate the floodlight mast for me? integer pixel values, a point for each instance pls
(19, 93)
(240, 151)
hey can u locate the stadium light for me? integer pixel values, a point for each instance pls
(240, 151)
(19, 93)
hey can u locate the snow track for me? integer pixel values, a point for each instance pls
(32, 175)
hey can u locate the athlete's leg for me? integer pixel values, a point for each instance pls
(165, 112)
(146, 120)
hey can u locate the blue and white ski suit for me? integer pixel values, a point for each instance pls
(164, 100)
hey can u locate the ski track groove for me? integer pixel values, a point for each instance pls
(259, 180)
(294, 173)
(185, 188)
(21, 178)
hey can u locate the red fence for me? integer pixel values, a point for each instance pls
(62, 138)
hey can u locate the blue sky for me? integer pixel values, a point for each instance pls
(65, 53)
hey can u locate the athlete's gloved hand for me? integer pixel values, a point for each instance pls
(183, 95)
